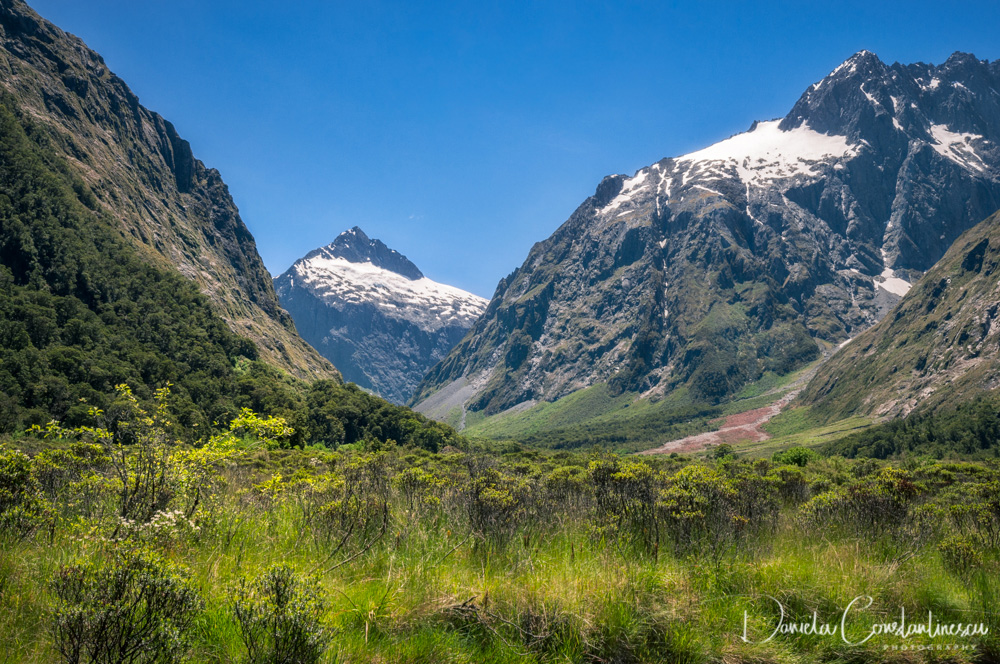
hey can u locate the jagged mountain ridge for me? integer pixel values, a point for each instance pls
(374, 314)
(939, 346)
(176, 211)
(704, 270)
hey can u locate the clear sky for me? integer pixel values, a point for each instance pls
(462, 133)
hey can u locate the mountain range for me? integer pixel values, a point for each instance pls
(846, 228)
(703, 272)
(373, 313)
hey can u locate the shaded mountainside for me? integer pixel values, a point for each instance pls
(177, 212)
(372, 313)
(938, 347)
(704, 271)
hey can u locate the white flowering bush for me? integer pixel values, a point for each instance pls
(165, 528)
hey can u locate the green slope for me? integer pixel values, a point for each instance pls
(938, 347)
(82, 311)
(624, 422)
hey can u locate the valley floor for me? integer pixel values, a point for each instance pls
(739, 428)
(742, 427)
(490, 554)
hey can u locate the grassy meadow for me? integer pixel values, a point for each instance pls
(119, 544)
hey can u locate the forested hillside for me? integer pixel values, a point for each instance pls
(81, 312)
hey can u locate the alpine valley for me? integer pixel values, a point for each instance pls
(703, 273)
(371, 312)
(798, 327)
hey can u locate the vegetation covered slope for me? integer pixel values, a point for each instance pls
(168, 205)
(970, 430)
(81, 311)
(940, 345)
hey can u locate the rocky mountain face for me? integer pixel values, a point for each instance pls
(703, 271)
(371, 312)
(940, 345)
(177, 212)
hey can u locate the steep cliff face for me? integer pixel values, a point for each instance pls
(939, 346)
(705, 270)
(372, 312)
(175, 210)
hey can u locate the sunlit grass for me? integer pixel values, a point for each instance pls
(429, 590)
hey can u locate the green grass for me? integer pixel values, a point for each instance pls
(575, 408)
(799, 427)
(624, 422)
(557, 590)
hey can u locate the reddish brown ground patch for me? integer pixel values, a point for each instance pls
(747, 426)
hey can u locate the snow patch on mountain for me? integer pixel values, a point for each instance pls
(957, 146)
(428, 304)
(769, 153)
(890, 282)
(764, 154)
(630, 188)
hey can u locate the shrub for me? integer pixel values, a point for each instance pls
(698, 505)
(59, 469)
(136, 444)
(722, 451)
(341, 513)
(136, 609)
(791, 483)
(755, 497)
(497, 504)
(625, 493)
(22, 507)
(279, 618)
(977, 512)
(271, 432)
(960, 554)
(566, 486)
(418, 486)
(878, 503)
(795, 456)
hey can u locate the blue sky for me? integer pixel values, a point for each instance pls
(463, 133)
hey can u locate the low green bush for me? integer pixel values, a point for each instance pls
(279, 618)
(23, 509)
(137, 608)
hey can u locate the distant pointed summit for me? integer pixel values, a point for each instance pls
(367, 305)
(355, 246)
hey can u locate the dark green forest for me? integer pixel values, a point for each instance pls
(969, 430)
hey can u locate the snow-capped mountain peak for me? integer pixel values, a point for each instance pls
(356, 247)
(372, 312)
(339, 281)
(808, 227)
